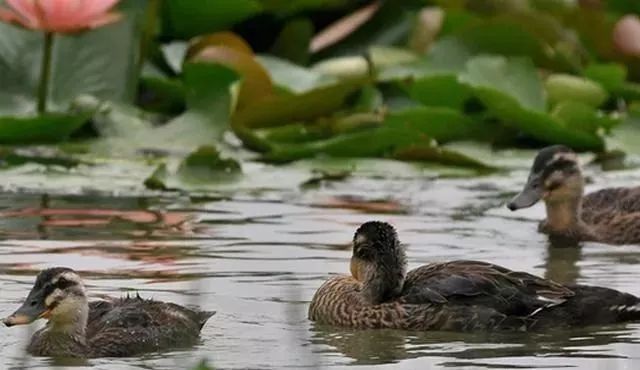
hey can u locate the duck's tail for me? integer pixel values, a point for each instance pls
(597, 305)
(203, 316)
(626, 312)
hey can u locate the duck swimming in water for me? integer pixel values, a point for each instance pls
(108, 328)
(455, 296)
(609, 215)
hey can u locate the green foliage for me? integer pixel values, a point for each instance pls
(99, 63)
(189, 18)
(163, 86)
(561, 87)
(512, 91)
(206, 163)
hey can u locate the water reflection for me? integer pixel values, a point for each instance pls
(390, 346)
(562, 261)
(45, 218)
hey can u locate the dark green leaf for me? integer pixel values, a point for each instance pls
(281, 110)
(158, 179)
(610, 75)
(439, 91)
(189, 18)
(512, 91)
(49, 128)
(293, 41)
(583, 117)
(205, 164)
(516, 78)
(428, 153)
(441, 124)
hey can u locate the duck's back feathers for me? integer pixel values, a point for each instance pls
(618, 200)
(480, 283)
(127, 326)
(612, 215)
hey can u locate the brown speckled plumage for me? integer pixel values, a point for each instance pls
(609, 215)
(467, 296)
(108, 328)
(128, 326)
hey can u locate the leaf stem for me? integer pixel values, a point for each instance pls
(45, 73)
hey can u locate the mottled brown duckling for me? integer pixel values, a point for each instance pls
(110, 328)
(609, 215)
(455, 296)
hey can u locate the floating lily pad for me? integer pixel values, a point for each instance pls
(188, 18)
(292, 77)
(48, 128)
(206, 163)
(563, 87)
(512, 91)
(611, 76)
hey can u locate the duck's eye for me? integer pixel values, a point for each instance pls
(553, 185)
(63, 283)
(33, 303)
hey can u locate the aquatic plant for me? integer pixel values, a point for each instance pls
(57, 16)
(394, 80)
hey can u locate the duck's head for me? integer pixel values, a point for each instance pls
(379, 261)
(57, 295)
(554, 177)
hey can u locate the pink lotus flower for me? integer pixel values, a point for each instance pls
(62, 16)
(626, 35)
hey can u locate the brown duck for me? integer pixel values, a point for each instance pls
(609, 216)
(109, 328)
(455, 296)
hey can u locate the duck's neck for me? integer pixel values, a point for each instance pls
(70, 318)
(564, 215)
(383, 283)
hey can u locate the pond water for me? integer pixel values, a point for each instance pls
(257, 257)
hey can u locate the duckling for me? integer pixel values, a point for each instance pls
(454, 296)
(109, 328)
(609, 216)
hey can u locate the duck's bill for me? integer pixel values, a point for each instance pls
(30, 311)
(529, 196)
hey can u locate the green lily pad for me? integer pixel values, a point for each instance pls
(281, 110)
(48, 128)
(158, 179)
(293, 41)
(48, 156)
(583, 117)
(292, 77)
(438, 123)
(127, 131)
(563, 87)
(439, 90)
(430, 153)
(397, 138)
(162, 95)
(512, 91)
(205, 164)
(516, 78)
(610, 75)
(189, 18)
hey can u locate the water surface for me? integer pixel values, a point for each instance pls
(256, 257)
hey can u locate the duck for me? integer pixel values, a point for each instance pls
(610, 215)
(112, 327)
(458, 296)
